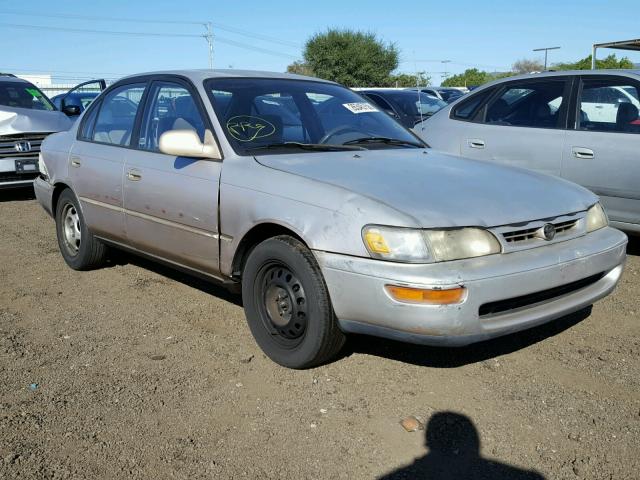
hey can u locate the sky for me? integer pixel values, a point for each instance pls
(268, 35)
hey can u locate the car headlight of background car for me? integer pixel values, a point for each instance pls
(428, 246)
(596, 218)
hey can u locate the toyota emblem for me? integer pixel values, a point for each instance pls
(548, 231)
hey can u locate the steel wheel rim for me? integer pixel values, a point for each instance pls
(71, 229)
(282, 303)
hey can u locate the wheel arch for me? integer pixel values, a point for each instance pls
(58, 188)
(254, 236)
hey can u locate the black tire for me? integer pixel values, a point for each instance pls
(281, 280)
(83, 251)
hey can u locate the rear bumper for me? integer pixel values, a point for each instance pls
(356, 286)
(44, 194)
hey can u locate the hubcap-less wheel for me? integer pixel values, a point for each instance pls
(283, 304)
(71, 229)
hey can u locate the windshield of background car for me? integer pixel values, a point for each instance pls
(414, 103)
(23, 95)
(256, 113)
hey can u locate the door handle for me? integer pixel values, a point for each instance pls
(583, 153)
(134, 175)
(475, 143)
(75, 162)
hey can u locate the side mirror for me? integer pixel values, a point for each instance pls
(186, 143)
(71, 110)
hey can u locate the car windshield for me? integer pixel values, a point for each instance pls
(260, 115)
(416, 104)
(23, 95)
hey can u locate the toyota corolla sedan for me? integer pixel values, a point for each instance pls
(331, 216)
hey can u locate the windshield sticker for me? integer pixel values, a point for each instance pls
(360, 107)
(246, 128)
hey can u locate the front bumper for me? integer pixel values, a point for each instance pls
(356, 286)
(44, 194)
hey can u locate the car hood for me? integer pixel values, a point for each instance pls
(24, 120)
(440, 190)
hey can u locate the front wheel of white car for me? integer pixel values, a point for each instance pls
(79, 248)
(287, 304)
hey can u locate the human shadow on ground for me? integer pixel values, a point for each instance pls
(452, 357)
(454, 454)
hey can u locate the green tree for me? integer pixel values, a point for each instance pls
(300, 68)
(408, 80)
(356, 59)
(470, 77)
(585, 63)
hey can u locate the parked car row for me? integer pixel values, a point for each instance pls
(331, 216)
(583, 126)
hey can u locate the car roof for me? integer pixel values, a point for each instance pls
(7, 77)
(564, 73)
(203, 74)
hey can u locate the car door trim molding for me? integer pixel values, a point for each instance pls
(144, 216)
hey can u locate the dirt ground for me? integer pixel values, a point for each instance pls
(135, 371)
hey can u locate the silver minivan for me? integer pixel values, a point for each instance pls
(583, 126)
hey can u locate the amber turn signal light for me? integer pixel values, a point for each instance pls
(449, 296)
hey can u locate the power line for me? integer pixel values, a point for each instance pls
(148, 34)
(220, 26)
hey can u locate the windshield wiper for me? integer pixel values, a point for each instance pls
(385, 140)
(318, 147)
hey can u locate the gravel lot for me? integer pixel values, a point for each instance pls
(135, 371)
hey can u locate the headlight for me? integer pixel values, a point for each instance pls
(596, 218)
(42, 167)
(427, 246)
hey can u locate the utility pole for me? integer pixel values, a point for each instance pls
(209, 38)
(546, 50)
(445, 74)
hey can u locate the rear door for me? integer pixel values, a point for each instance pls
(602, 149)
(96, 160)
(171, 203)
(522, 124)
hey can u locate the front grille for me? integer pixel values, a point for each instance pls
(523, 235)
(510, 304)
(17, 177)
(8, 145)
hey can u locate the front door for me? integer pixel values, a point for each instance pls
(522, 126)
(171, 203)
(96, 160)
(602, 151)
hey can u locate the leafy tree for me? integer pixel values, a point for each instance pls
(300, 68)
(356, 59)
(527, 66)
(408, 80)
(585, 64)
(470, 77)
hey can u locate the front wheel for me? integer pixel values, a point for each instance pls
(79, 248)
(287, 304)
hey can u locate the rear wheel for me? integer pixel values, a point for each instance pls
(287, 304)
(79, 248)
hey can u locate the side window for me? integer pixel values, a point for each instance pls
(88, 122)
(114, 124)
(466, 110)
(528, 104)
(609, 105)
(170, 107)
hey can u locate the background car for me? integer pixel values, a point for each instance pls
(406, 106)
(76, 100)
(448, 94)
(583, 126)
(27, 116)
